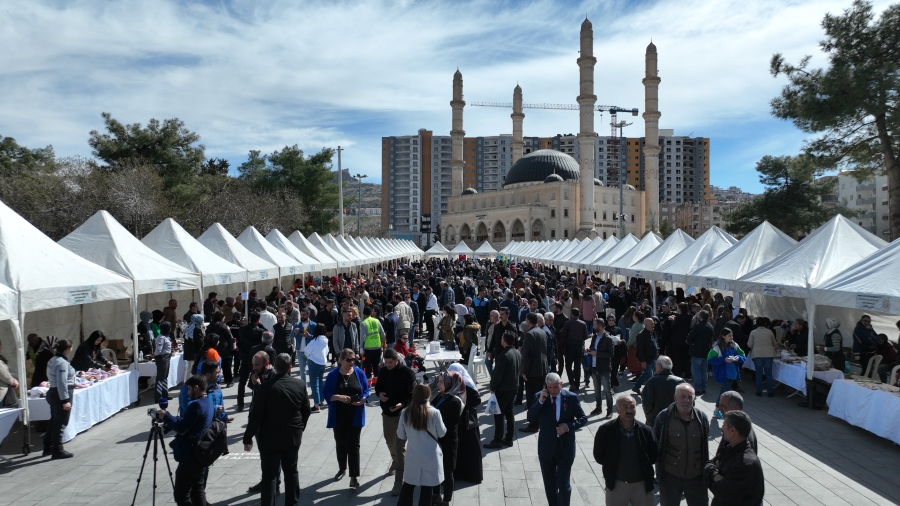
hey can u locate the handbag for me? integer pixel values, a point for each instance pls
(471, 419)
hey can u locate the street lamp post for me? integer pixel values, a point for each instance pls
(359, 177)
(340, 189)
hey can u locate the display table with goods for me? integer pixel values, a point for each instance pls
(8, 417)
(867, 404)
(98, 396)
(176, 369)
(790, 370)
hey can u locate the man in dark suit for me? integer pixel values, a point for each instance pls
(249, 337)
(504, 384)
(558, 415)
(534, 362)
(277, 418)
(659, 393)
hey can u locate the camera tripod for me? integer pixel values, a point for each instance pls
(155, 439)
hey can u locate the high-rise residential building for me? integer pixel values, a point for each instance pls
(870, 198)
(730, 194)
(695, 218)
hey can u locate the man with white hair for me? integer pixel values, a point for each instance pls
(682, 436)
(557, 414)
(659, 392)
(626, 450)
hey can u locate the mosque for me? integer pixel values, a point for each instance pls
(547, 194)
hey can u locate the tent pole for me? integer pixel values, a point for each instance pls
(811, 344)
(19, 336)
(653, 287)
(134, 332)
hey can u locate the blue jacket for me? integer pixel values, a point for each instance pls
(197, 417)
(570, 413)
(297, 333)
(720, 367)
(328, 390)
(214, 394)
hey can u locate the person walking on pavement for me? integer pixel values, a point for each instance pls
(534, 362)
(574, 334)
(394, 389)
(647, 351)
(682, 436)
(504, 384)
(626, 449)
(601, 351)
(277, 419)
(558, 414)
(659, 393)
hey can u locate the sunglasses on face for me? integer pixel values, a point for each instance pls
(349, 360)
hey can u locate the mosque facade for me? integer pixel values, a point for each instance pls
(547, 194)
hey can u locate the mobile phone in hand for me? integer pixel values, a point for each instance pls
(354, 398)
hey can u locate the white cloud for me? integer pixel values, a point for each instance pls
(250, 76)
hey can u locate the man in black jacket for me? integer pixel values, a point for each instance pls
(504, 384)
(574, 334)
(394, 389)
(277, 418)
(500, 329)
(735, 476)
(647, 351)
(601, 351)
(249, 337)
(559, 321)
(659, 393)
(627, 450)
(682, 436)
(534, 362)
(733, 401)
(699, 341)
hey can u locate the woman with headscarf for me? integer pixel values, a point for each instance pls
(834, 342)
(468, 450)
(193, 341)
(448, 396)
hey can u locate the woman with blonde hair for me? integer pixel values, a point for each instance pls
(422, 427)
(346, 391)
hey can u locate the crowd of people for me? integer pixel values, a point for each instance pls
(352, 341)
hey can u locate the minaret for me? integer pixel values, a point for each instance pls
(518, 145)
(586, 135)
(651, 140)
(456, 135)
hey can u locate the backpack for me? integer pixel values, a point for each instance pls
(211, 444)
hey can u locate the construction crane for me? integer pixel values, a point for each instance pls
(561, 107)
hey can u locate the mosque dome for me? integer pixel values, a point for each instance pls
(535, 167)
(597, 182)
(553, 178)
(469, 191)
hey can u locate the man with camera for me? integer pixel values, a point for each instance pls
(198, 415)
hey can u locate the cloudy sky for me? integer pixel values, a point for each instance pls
(261, 75)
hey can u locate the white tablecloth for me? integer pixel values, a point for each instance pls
(92, 405)
(8, 417)
(794, 375)
(873, 410)
(444, 356)
(176, 369)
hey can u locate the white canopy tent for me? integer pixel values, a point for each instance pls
(619, 249)
(57, 290)
(462, 249)
(288, 267)
(357, 262)
(783, 285)
(9, 303)
(485, 250)
(367, 258)
(222, 243)
(438, 250)
(550, 252)
(377, 245)
(704, 250)
(282, 244)
(567, 252)
(863, 286)
(587, 261)
(105, 242)
(762, 245)
(329, 265)
(218, 275)
(344, 263)
(365, 249)
(644, 266)
(648, 243)
(586, 248)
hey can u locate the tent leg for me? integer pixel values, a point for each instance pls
(653, 287)
(19, 336)
(811, 344)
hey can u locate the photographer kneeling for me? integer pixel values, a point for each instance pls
(198, 415)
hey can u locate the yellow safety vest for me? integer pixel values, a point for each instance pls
(373, 337)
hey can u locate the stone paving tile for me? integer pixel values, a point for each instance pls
(808, 458)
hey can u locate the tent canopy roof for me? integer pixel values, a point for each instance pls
(259, 246)
(485, 249)
(173, 242)
(673, 245)
(864, 283)
(222, 243)
(9, 303)
(462, 249)
(301, 243)
(707, 247)
(438, 249)
(647, 244)
(281, 243)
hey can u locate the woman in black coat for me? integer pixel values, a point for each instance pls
(450, 390)
(88, 355)
(468, 453)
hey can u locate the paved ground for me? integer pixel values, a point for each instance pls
(808, 456)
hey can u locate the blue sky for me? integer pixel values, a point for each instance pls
(261, 75)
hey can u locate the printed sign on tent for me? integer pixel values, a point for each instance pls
(873, 303)
(81, 294)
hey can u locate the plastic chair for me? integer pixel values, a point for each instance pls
(476, 362)
(436, 321)
(893, 377)
(110, 355)
(872, 368)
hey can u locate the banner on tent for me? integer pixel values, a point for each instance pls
(773, 290)
(617, 271)
(263, 274)
(81, 294)
(224, 279)
(171, 285)
(869, 302)
(667, 277)
(711, 283)
(638, 274)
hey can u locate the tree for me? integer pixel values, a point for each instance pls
(168, 145)
(18, 160)
(215, 167)
(665, 228)
(792, 200)
(853, 103)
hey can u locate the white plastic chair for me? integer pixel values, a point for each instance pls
(110, 355)
(436, 321)
(894, 373)
(872, 368)
(476, 362)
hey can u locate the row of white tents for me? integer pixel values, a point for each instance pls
(461, 249)
(100, 276)
(838, 271)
